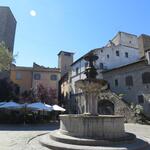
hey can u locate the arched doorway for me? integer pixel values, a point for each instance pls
(105, 107)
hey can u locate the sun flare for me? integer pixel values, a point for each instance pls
(33, 13)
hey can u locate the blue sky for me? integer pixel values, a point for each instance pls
(72, 25)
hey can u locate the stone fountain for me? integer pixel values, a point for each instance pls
(91, 131)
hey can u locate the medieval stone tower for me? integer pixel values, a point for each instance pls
(7, 27)
(65, 59)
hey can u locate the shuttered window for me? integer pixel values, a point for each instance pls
(129, 81)
(140, 99)
(146, 77)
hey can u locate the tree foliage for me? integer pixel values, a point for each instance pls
(28, 96)
(47, 95)
(8, 90)
(5, 57)
(41, 93)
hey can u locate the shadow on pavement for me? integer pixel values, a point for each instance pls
(29, 127)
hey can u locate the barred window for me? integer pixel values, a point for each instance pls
(129, 81)
(146, 77)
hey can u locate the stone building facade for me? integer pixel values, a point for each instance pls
(64, 92)
(7, 27)
(7, 33)
(120, 57)
(22, 76)
(144, 43)
(31, 77)
(121, 50)
(133, 81)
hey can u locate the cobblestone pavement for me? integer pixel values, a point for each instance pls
(25, 137)
(17, 137)
(139, 130)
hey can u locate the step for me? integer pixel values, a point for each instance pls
(46, 141)
(59, 137)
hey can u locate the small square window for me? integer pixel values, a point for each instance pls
(18, 76)
(140, 99)
(86, 64)
(53, 77)
(101, 66)
(117, 53)
(37, 76)
(107, 55)
(101, 51)
(146, 78)
(129, 81)
(77, 71)
(65, 67)
(126, 54)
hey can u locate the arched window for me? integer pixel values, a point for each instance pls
(129, 81)
(146, 77)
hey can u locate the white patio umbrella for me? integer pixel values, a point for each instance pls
(49, 106)
(2, 103)
(58, 108)
(11, 105)
(40, 106)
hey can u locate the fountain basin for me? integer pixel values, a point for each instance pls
(104, 127)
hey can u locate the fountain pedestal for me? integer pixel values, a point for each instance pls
(90, 89)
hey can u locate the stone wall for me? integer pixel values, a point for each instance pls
(7, 27)
(144, 43)
(102, 127)
(120, 107)
(130, 93)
